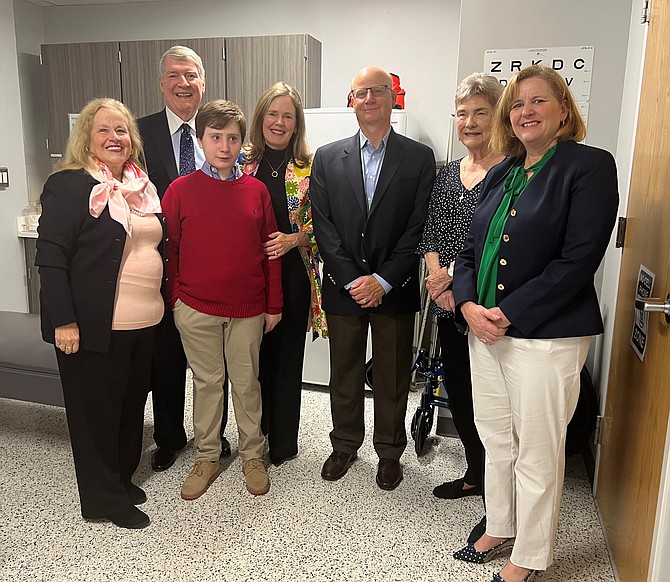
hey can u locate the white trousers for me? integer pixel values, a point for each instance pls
(525, 392)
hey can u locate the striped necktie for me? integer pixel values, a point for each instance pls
(186, 152)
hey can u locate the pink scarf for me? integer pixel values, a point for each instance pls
(135, 193)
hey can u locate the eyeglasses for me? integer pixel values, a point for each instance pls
(377, 91)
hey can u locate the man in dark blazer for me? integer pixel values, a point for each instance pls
(369, 198)
(183, 85)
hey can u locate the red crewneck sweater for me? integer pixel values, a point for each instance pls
(215, 258)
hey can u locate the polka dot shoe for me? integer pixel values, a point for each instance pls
(469, 554)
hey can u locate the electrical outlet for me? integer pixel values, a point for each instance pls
(4, 178)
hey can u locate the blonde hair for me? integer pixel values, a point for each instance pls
(77, 155)
(253, 151)
(503, 138)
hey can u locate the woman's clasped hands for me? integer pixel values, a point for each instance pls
(488, 325)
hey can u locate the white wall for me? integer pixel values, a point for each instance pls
(523, 24)
(13, 200)
(421, 47)
(659, 561)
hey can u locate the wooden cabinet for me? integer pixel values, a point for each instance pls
(32, 274)
(129, 71)
(140, 73)
(253, 63)
(75, 74)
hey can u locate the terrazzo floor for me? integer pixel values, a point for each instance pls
(304, 529)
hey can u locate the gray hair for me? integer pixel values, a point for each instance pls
(182, 53)
(479, 84)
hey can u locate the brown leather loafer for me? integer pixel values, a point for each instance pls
(389, 474)
(337, 465)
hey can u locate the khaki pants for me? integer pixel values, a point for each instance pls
(207, 339)
(525, 392)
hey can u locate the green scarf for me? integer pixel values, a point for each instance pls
(515, 184)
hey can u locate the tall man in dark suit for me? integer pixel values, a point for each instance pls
(369, 201)
(170, 151)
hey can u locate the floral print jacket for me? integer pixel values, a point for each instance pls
(300, 218)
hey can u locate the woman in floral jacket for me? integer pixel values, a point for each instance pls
(279, 157)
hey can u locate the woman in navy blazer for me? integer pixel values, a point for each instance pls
(524, 284)
(100, 234)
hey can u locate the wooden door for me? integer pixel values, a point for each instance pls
(140, 75)
(253, 63)
(75, 74)
(638, 398)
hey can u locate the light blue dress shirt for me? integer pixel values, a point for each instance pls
(371, 162)
(212, 172)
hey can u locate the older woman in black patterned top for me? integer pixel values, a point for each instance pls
(452, 204)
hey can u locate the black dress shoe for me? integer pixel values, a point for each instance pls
(337, 465)
(389, 474)
(225, 447)
(136, 494)
(478, 531)
(454, 490)
(130, 517)
(163, 459)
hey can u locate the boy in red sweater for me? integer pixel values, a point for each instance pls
(223, 290)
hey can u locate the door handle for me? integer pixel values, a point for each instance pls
(652, 304)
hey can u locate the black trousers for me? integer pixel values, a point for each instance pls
(281, 359)
(391, 361)
(456, 361)
(168, 386)
(104, 398)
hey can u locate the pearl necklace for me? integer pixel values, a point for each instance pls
(135, 211)
(275, 171)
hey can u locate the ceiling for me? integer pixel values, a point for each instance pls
(87, 2)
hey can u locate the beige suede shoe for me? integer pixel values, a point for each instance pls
(257, 480)
(202, 475)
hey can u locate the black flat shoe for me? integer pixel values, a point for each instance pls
(136, 494)
(478, 531)
(276, 461)
(225, 447)
(130, 518)
(454, 490)
(163, 458)
(469, 554)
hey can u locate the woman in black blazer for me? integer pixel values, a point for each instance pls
(101, 272)
(524, 285)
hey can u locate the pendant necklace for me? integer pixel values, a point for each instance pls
(275, 171)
